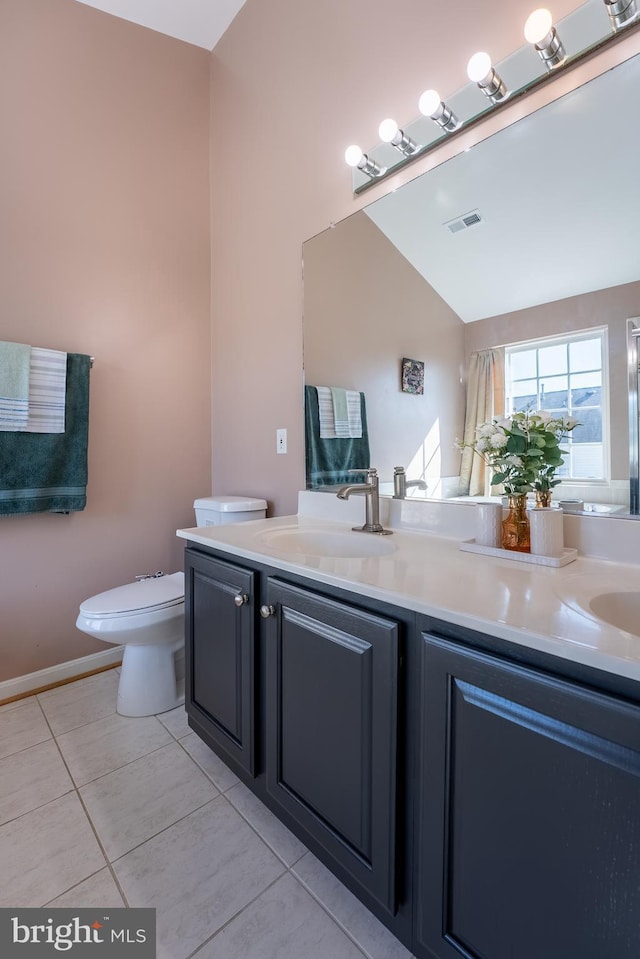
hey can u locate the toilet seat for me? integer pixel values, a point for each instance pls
(144, 597)
(146, 618)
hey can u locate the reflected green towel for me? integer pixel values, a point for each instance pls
(328, 461)
(47, 472)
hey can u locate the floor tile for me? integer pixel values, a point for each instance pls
(277, 837)
(22, 724)
(198, 874)
(84, 701)
(31, 778)
(98, 891)
(175, 720)
(138, 800)
(285, 922)
(219, 773)
(372, 937)
(98, 748)
(46, 852)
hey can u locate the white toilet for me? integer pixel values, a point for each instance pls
(147, 618)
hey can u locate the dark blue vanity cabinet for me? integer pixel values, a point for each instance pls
(220, 657)
(481, 798)
(331, 703)
(298, 692)
(529, 813)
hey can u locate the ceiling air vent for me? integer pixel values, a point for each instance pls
(464, 222)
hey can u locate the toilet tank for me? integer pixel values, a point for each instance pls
(221, 510)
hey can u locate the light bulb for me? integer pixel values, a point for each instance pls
(538, 26)
(429, 102)
(388, 130)
(353, 155)
(479, 67)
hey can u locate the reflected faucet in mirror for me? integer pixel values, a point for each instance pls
(401, 483)
(370, 490)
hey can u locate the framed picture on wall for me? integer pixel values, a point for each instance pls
(412, 376)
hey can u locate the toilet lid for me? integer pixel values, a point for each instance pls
(137, 597)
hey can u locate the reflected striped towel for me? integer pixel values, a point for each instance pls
(47, 391)
(14, 386)
(333, 423)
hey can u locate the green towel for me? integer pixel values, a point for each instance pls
(47, 472)
(328, 461)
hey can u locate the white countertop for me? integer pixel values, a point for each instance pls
(541, 607)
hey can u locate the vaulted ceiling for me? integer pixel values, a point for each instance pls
(200, 22)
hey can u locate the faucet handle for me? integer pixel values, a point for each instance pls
(371, 472)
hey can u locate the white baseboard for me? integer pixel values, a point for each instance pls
(21, 685)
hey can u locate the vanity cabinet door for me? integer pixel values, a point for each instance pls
(220, 656)
(331, 712)
(528, 816)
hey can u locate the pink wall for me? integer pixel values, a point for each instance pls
(293, 83)
(104, 249)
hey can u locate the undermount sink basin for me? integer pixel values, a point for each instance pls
(297, 541)
(620, 609)
(617, 605)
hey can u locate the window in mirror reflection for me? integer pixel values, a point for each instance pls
(565, 376)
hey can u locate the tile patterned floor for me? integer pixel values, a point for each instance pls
(99, 810)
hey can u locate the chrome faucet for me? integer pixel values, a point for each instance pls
(401, 483)
(372, 502)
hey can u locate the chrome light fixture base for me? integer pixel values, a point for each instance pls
(446, 118)
(621, 12)
(494, 87)
(404, 144)
(550, 50)
(370, 167)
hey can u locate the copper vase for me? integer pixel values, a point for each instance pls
(516, 534)
(543, 498)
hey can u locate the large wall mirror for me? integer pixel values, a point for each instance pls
(528, 244)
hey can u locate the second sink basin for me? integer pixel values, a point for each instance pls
(299, 541)
(618, 606)
(620, 609)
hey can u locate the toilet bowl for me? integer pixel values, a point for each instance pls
(147, 618)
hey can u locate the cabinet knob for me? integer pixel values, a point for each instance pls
(241, 599)
(267, 611)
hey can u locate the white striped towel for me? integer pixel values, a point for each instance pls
(325, 412)
(330, 428)
(354, 413)
(14, 386)
(47, 391)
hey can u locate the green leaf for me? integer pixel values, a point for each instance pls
(516, 444)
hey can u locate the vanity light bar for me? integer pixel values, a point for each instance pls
(539, 31)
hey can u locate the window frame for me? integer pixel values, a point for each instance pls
(563, 339)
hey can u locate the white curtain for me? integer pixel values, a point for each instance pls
(485, 401)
